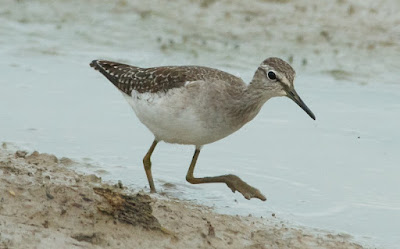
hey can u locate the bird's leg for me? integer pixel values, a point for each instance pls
(147, 166)
(233, 182)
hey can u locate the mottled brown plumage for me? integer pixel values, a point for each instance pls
(127, 78)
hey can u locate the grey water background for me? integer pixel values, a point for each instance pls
(340, 172)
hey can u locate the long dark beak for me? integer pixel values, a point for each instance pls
(292, 94)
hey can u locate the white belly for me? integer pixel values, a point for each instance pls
(175, 117)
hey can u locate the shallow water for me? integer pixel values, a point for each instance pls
(339, 172)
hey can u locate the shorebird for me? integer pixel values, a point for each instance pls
(197, 105)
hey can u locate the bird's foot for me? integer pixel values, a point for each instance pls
(237, 184)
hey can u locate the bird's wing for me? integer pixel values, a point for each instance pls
(127, 78)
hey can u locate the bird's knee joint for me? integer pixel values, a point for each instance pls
(189, 178)
(146, 162)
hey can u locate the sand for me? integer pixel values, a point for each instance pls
(45, 204)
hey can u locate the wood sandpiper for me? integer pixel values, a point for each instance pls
(199, 105)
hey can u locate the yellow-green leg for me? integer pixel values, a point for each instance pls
(147, 166)
(233, 182)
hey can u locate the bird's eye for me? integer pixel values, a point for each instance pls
(271, 75)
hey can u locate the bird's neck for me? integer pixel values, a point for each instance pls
(250, 102)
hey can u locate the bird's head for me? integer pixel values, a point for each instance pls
(276, 77)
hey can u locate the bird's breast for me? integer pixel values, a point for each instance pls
(178, 116)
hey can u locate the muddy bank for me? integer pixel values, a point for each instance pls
(44, 204)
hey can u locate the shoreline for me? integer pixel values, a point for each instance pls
(45, 204)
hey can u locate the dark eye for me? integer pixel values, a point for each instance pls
(271, 75)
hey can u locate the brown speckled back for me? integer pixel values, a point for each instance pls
(127, 78)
